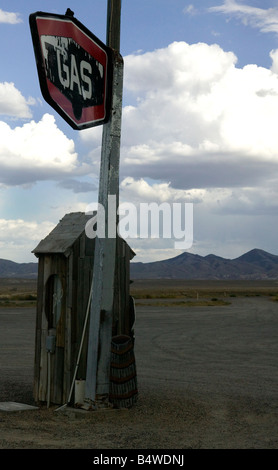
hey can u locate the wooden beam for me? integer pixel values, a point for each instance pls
(101, 313)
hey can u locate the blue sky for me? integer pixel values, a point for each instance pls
(200, 120)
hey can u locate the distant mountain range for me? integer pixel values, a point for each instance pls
(10, 269)
(255, 264)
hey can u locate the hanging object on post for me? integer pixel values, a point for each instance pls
(123, 375)
(74, 69)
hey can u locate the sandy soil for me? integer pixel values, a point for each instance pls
(159, 421)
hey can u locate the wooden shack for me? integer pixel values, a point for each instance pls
(65, 267)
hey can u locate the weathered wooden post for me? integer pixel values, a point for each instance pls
(75, 80)
(101, 312)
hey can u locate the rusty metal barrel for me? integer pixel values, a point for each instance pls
(123, 376)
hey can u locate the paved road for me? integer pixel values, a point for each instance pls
(17, 346)
(230, 350)
(221, 350)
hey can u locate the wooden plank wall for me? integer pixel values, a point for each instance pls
(40, 283)
(121, 299)
(84, 281)
(49, 265)
(75, 272)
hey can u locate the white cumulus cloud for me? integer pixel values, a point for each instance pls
(36, 151)
(19, 237)
(197, 119)
(198, 128)
(9, 17)
(13, 103)
(266, 20)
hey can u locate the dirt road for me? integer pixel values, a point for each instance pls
(207, 379)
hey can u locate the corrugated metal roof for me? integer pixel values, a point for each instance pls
(62, 237)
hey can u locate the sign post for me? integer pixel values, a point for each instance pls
(82, 79)
(101, 314)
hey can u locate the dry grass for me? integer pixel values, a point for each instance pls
(196, 292)
(18, 292)
(185, 303)
(164, 292)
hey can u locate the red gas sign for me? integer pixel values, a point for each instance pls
(74, 69)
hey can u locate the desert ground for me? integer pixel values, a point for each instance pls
(206, 358)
